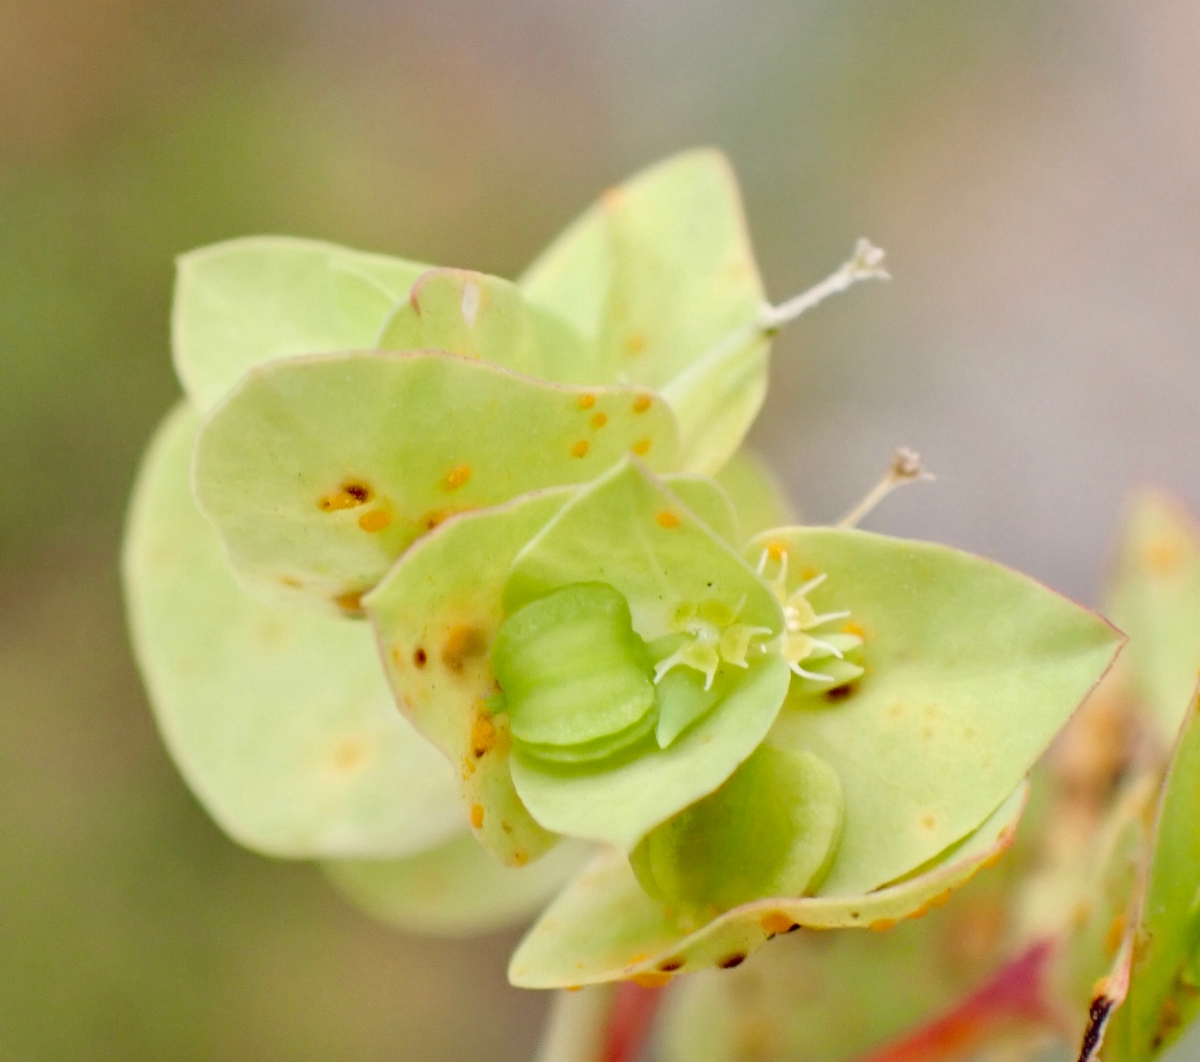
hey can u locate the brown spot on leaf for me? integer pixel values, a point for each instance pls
(670, 965)
(839, 693)
(350, 602)
(477, 816)
(462, 644)
(291, 582)
(432, 518)
(351, 494)
(420, 657)
(730, 961)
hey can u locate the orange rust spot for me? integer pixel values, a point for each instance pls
(775, 922)
(420, 657)
(349, 495)
(349, 754)
(483, 737)
(574, 988)
(941, 899)
(477, 816)
(922, 911)
(667, 520)
(928, 822)
(580, 449)
(651, 979)
(850, 627)
(462, 644)
(882, 925)
(456, 477)
(432, 518)
(635, 344)
(776, 551)
(599, 420)
(808, 573)
(641, 447)
(519, 858)
(374, 521)
(587, 401)
(642, 403)
(397, 657)
(350, 601)
(1112, 939)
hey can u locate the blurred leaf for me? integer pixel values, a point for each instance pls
(246, 302)
(1155, 599)
(457, 889)
(281, 722)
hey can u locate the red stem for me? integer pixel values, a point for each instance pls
(630, 1021)
(1013, 997)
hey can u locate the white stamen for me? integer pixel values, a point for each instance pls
(829, 617)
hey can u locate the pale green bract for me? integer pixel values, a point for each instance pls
(280, 720)
(245, 302)
(319, 472)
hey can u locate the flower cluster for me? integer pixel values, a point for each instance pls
(475, 577)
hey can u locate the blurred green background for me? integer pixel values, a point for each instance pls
(1031, 168)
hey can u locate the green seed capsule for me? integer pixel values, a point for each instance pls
(576, 677)
(771, 830)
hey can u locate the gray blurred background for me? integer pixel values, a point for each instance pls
(1031, 167)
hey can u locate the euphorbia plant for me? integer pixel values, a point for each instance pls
(428, 552)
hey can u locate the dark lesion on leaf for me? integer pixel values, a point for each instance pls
(420, 657)
(1098, 1014)
(670, 965)
(840, 693)
(730, 961)
(351, 494)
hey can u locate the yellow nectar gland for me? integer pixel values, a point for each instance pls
(798, 643)
(714, 638)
